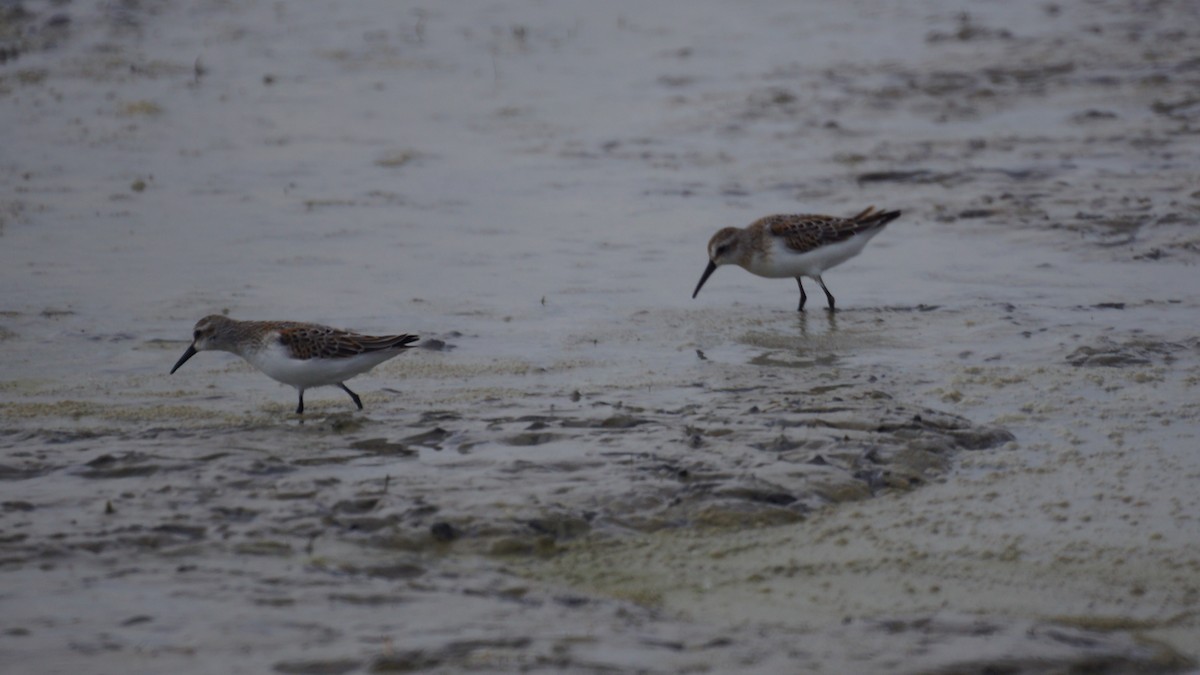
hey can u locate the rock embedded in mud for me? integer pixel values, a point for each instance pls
(444, 532)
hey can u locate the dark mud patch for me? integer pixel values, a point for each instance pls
(131, 464)
(618, 421)
(318, 667)
(382, 446)
(430, 439)
(32, 470)
(461, 654)
(1041, 647)
(1137, 352)
(736, 457)
(709, 466)
(531, 438)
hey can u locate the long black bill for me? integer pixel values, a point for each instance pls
(712, 267)
(191, 351)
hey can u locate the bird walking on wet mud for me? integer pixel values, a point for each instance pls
(795, 246)
(303, 355)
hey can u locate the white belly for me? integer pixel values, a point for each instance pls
(784, 262)
(274, 361)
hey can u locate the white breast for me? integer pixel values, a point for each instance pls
(785, 262)
(274, 361)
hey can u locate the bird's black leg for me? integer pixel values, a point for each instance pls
(300, 406)
(828, 295)
(803, 296)
(357, 400)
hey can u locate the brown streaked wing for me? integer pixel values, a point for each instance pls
(307, 341)
(805, 232)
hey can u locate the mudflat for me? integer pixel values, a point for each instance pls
(985, 461)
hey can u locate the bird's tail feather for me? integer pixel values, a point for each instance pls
(874, 218)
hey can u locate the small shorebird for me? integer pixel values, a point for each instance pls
(303, 355)
(795, 246)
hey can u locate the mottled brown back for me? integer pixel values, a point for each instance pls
(804, 232)
(307, 341)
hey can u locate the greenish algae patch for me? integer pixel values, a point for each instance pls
(74, 409)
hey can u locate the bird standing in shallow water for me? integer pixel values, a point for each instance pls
(795, 246)
(303, 355)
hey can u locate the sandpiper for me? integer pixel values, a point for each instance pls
(795, 246)
(303, 355)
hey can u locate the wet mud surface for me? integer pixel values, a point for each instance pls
(984, 462)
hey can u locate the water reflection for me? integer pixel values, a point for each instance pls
(827, 318)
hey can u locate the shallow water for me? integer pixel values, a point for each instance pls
(984, 459)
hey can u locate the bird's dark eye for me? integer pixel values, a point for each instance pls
(721, 250)
(195, 335)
